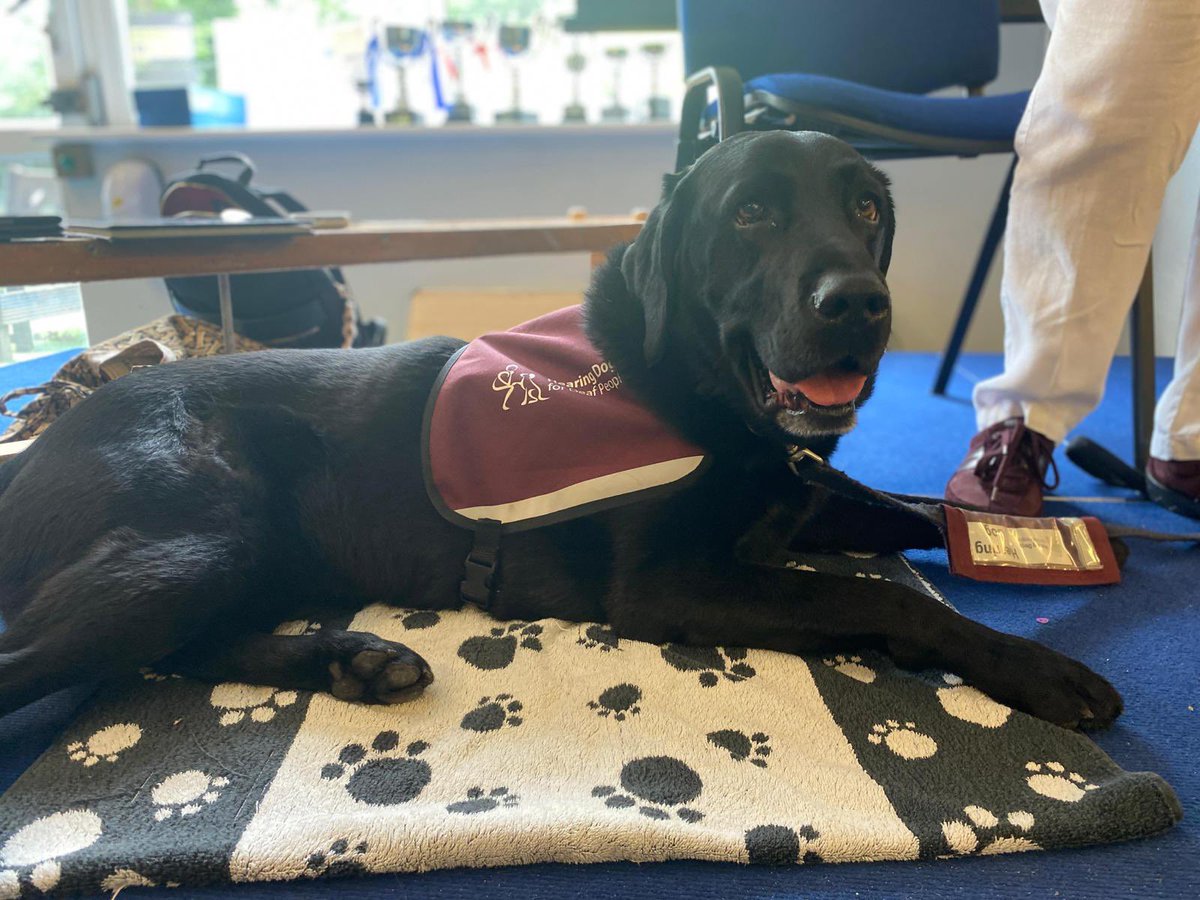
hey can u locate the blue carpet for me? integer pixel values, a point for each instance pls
(1141, 634)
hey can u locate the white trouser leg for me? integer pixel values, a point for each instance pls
(1177, 417)
(1109, 122)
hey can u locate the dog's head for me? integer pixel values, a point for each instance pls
(761, 272)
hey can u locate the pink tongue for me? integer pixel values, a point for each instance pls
(826, 389)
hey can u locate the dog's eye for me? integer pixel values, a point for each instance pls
(867, 208)
(750, 213)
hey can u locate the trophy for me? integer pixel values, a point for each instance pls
(457, 33)
(403, 45)
(659, 107)
(615, 112)
(576, 63)
(514, 40)
(366, 109)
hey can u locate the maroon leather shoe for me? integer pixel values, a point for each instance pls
(1175, 484)
(1005, 470)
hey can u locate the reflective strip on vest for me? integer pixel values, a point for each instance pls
(531, 426)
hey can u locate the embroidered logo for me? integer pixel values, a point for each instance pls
(508, 381)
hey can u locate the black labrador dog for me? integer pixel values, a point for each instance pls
(179, 513)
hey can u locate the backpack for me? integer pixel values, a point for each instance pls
(305, 308)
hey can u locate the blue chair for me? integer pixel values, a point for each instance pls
(862, 70)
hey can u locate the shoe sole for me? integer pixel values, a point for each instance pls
(1173, 500)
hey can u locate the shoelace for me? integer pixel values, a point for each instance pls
(1019, 450)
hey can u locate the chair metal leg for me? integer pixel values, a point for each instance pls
(983, 265)
(1141, 351)
(1090, 456)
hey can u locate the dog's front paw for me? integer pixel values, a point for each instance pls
(373, 670)
(1051, 686)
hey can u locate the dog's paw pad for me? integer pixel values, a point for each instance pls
(390, 674)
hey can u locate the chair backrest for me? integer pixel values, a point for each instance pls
(901, 45)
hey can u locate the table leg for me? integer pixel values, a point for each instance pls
(226, 296)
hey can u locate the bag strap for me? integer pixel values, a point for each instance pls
(1128, 531)
(290, 204)
(240, 159)
(285, 200)
(304, 318)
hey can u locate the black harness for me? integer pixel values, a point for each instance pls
(481, 583)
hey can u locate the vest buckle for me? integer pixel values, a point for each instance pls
(480, 580)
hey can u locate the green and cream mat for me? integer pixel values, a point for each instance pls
(551, 740)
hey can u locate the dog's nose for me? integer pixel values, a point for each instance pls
(850, 298)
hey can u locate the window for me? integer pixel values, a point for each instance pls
(42, 319)
(25, 67)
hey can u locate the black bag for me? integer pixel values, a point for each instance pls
(305, 308)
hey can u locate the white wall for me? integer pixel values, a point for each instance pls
(442, 173)
(943, 208)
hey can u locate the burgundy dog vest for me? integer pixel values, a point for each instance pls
(531, 426)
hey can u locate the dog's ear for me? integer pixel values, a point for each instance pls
(883, 254)
(648, 265)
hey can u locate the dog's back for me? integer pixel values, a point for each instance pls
(179, 497)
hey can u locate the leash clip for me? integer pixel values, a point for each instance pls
(797, 455)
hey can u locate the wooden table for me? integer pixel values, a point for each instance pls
(87, 259)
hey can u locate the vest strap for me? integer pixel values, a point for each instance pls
(481, 579)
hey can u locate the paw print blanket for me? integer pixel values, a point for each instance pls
(557, 741)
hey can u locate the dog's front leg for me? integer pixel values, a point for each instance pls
(706, 604)
(351, 665)
(824, 521)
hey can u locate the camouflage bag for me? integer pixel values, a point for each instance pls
(162, 341)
